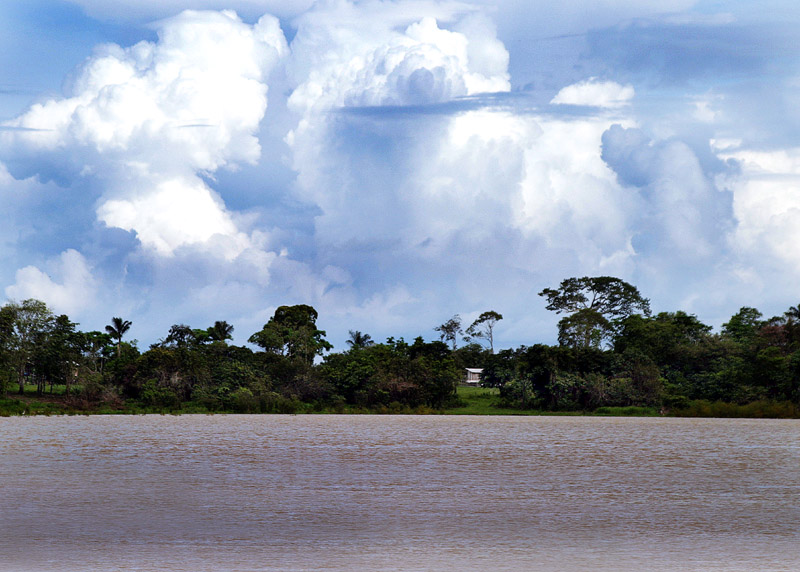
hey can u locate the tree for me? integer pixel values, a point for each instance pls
(30, 321)
(743, 325)
(292, 332)
(220, 331)
(116, 329)
(483, 327)
(594, 304)
(585, 328)
(611, 297)
(450, 330)
(58, 354)
(7, 316)
(664, 338)
(358, 340)
(97, 348)
(179, 336)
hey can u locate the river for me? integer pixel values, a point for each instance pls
(398, 493)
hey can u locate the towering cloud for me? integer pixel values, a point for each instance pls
(386, 168)
(150, 120)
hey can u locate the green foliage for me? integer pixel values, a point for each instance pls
(417, 374)
(499, 369)
(483, 327)
(606, 295)
(118, 328)
(154, 394)
(763, 409)
(359, 340)
(586, 328)
(670, 362)
(450, 330)
(471, 355)
(594, 305)
(743, 326)
(220, 331)
(292, 332)
(28, 325)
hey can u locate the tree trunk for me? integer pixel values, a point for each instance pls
(21, 378)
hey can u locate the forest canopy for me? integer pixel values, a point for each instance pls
(612, 352)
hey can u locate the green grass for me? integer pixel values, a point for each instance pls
(10, 406)
(483, 401)
(471, 401)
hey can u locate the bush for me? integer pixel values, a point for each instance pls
(757, 409)
(158, 396)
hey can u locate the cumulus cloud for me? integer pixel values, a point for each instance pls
(149, 118)
(766, 206)
(417, 195)
(72, 290)
(148, 10)
(683, 207)
(174, 213)
(367, 63)
(595, 93)
(350, 56)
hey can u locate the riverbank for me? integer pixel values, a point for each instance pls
(471, 401)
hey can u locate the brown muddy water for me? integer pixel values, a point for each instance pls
(398, 493)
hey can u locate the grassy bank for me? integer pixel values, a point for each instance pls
(472, 401)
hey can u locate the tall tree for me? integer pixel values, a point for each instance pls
(483, 327)
(450, 330)
(116, 329)
(7, 316)
(292, 332)
(594, 303)
(96, 348)
(31, 322)
(59, 354)
(743, 325)
(180, 336)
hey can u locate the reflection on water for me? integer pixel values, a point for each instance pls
(405, 493)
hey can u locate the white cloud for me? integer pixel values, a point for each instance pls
(683, 216)
(767, 207)
(148, 10)
(72, 291)
(174, 213)
(595, 93)
(148, 117)
(373, 54)
(419, 198)
(705, 109)
(367, 63)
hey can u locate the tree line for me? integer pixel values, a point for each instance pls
(200, 368)
(611, 352)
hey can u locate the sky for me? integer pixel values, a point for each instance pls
(396, 163)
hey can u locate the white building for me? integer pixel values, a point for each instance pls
(472, 375)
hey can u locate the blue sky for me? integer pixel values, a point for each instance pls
(395, 163)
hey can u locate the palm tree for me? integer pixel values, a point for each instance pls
(116, 329)
(220, 331)
(359, 340)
